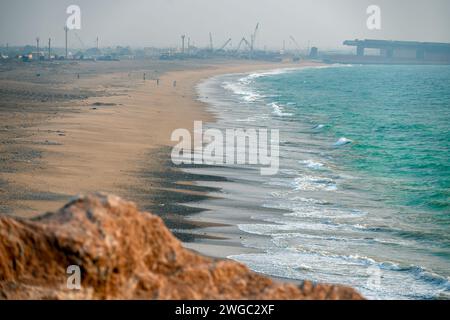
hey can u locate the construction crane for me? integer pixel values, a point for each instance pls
(253, 37)
(79, 39)
(296, 44)
(224, 45)
(299, 50)
(243, 40)
(247, 43)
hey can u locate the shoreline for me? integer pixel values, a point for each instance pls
(120, 144)
(224, 237)
(104, 142)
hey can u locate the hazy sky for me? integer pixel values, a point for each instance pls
(161, 22)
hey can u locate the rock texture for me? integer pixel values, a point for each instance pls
(124, 254)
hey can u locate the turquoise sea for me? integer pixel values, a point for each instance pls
(363, 193)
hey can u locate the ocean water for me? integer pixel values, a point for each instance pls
(362, 197)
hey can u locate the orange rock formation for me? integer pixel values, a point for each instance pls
(124, 254)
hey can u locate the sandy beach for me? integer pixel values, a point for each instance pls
(101, 142)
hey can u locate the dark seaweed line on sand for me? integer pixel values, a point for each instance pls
(166, 191)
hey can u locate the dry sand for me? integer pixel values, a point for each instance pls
(104, 147)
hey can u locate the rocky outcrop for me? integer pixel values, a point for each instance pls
(124, 254)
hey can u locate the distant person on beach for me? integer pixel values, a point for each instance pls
(157, 82)
(174, 83)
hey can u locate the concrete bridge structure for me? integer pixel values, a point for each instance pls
(406, 50)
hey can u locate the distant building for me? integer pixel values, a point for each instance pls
(314, 53)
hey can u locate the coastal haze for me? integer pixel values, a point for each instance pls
(325, 23)
(358, 113)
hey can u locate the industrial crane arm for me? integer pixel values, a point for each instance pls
(225, 44)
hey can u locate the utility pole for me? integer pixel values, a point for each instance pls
(183, 37)
(37, 47)
(49, 48)
(211, 45)
(66, 31)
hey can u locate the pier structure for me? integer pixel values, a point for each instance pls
(406, 50)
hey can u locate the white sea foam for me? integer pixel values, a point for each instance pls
(289, 226)
(342, 142)
(273, 72)
(314, 183)
(279, 71)
(241, 90)
(313, 164)
(249, 119)
(279, 111)
(293, 198)
(396, 282)
(303, 266)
